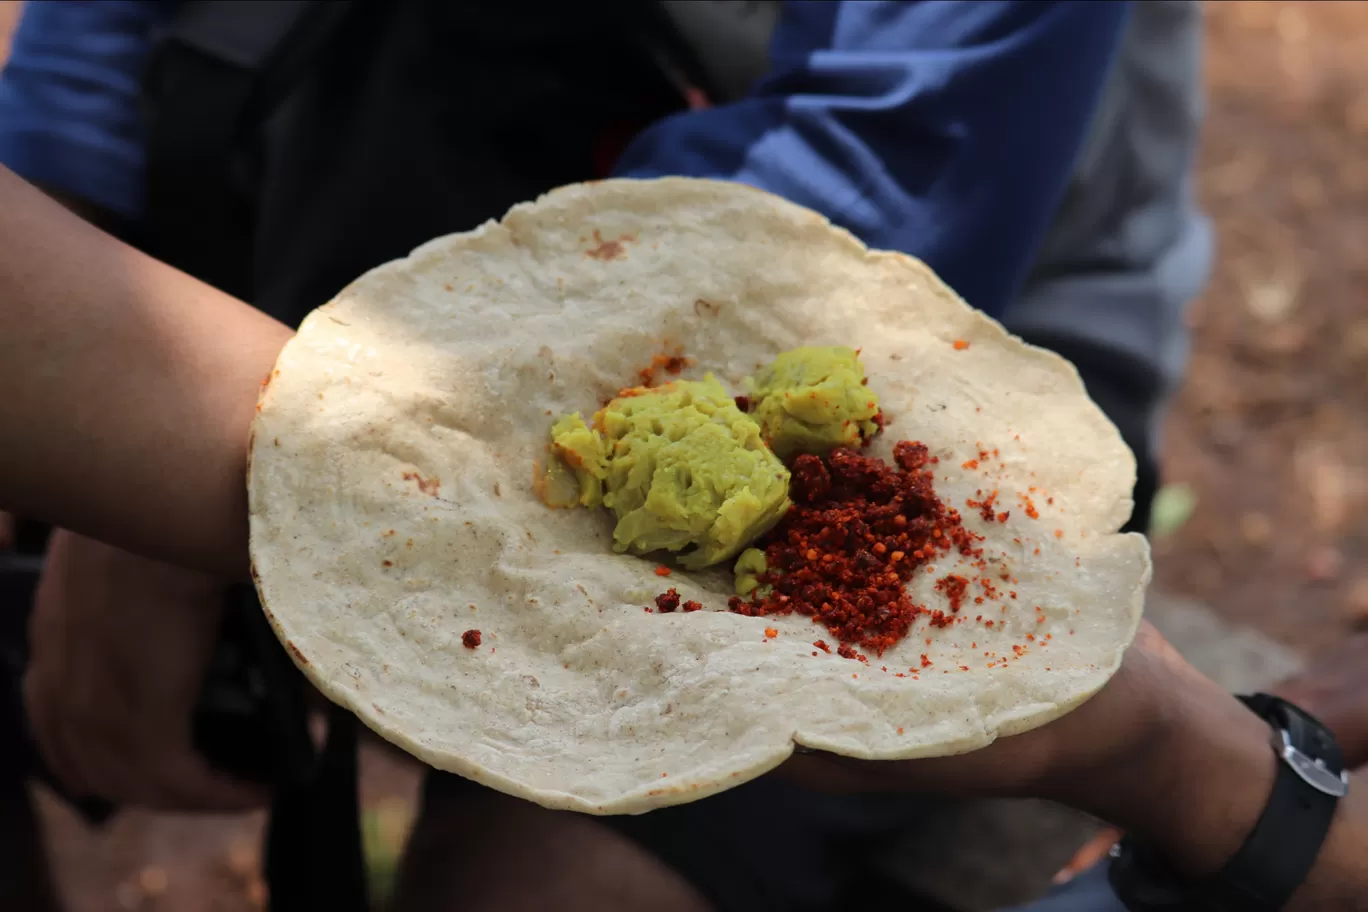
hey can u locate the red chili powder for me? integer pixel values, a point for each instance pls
(470, 639)
(857, 531)
(954, 588)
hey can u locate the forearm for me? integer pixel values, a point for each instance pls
(131, 387)
(1196, 794)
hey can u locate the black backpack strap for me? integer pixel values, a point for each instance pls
(241, 57)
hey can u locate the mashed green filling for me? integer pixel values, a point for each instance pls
(749, 567)
(813, 400)
(682, 468)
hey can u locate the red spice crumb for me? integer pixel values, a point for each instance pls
(1059, 533)
(925, 662)
(987, 623)
(814, 652)
(1050, 501)
(470, 639)
(667, 601)
(854, 676)
(387, 563)
(954, 588)
(969, 464)
(692, 606)
(961, 345)
(964, 668)
(771, 633)
(821, 644)
(1031, 637)
(900, 731)
(662, 570)
(1002, 517)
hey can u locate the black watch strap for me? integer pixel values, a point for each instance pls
(1282, 847)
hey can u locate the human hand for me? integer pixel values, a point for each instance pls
(119, 647)
(1160, 750)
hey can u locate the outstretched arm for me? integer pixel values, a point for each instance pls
(129, 388)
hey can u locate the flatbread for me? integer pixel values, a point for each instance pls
(393, 505)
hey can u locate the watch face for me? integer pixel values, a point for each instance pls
(1312, 770)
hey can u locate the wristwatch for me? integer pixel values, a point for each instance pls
(1283, 845)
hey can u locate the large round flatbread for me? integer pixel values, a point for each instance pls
(393, 504)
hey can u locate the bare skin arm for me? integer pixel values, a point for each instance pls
(1164, 753)
(130, 389)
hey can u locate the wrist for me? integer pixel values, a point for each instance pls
(1194, 789)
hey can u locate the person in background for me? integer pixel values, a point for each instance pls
(1037, 155)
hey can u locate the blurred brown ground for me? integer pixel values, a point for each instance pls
(1271, 429)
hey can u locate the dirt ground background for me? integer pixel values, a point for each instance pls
(1269, 436)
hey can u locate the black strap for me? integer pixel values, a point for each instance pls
(1280, 851)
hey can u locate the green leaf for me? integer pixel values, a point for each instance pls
(1171, 509)
(384, 829)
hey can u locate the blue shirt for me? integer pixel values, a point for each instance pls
(944, 128)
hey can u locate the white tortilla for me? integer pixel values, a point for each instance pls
(392, 504)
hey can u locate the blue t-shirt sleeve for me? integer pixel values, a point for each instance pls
(944, 128)
(69, 99)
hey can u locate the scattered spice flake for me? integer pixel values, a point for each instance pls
(964, 668)
(961, 345)
(969, 464)
(670, 364)
(471, 639)
(954, 588)
(771, 633)
(662, 570)
(667, 601)
(821, 644)
(857, 531)
(692, 606)
(985, 506)
(900, 731)
(1059, 533)
(925, 662)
